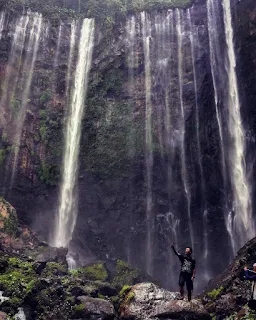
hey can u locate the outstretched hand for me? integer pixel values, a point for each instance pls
(245, 268)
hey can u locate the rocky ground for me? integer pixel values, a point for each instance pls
(35, 282)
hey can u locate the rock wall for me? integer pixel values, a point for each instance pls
(113, 186)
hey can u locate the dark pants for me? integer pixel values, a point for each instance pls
(186, 278)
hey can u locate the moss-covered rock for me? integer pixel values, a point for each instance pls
(215, 292)
(125, 275)
(8, 218)
(93, 272)
(54, 269)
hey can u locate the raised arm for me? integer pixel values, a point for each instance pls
(248, 277)
(177, 254)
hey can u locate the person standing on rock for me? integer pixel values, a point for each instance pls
(252, 277)
(187, 272)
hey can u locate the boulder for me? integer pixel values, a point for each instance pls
(148, 301)
(3, 316)
(8, 218)
(51, 254)
(94, 308)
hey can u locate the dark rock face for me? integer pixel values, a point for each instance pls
(112, 186)
(96, 309)
(229, 292)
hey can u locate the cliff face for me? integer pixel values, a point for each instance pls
(144, 181)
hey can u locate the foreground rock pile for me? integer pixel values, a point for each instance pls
(35, 283)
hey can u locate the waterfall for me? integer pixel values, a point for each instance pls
(71, 56)
(243, 222)
(194, 41)
(67, 212)
(179, 24)
(131, 41)
(146, 33)
(56, 59)
(2, 21)
(11, 78)
(217, 69)
(27, 73)
(219, 83)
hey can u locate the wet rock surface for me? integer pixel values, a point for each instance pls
(147, 301)
(45, 289)
(229, 293)
(112, 183)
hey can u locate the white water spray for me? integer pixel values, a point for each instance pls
(71, 56)
(146, 33)
(27, 72)
(131, 41)
(67, 212)
(11, 78)
(20, 315)
(2, 21)
(243, 222)
(215, 54)
(179, 24)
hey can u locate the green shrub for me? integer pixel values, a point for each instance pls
(93, 272)
(215, 293)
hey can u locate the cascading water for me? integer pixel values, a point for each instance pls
(2, 21)
(26, 74)
(215, 21)
(194, 42)
(71, 56)
(146, 33)
(11, 78)
(131, 40)
(243, 224)
(67, 212)
(56, 58)
(179, 25)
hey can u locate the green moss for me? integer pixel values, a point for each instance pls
(93, 272)
(15, 107)
(70, 300)
(215, 293)
(54, 269)
(3, 153)
(16, 282)
(78, 310)
(9, 218)
(130, 296)
(49, 174)
(101, 296)
(115, 300)
(124, 290)
(15, 302)
(11, 225)
(125, 275)
(79, 307)
(45, 97)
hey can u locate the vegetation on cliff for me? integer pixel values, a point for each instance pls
(106, 10)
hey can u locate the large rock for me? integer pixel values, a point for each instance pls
(8, 218)
(51, 254)
(148, 301)
(228, 293)
(93, 308)
(3, 316)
